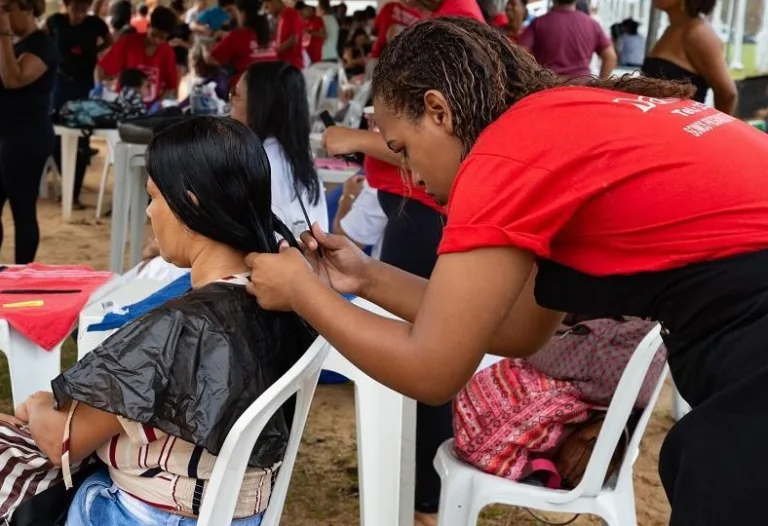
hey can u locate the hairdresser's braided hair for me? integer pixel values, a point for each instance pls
(480, 72)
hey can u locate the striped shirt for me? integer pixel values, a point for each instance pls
(172, 474)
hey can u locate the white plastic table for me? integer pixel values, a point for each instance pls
(69, 137)
(129, 203)
(31, 367)
(128, 294)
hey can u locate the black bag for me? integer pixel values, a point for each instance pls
(88, 114)
(140, 129)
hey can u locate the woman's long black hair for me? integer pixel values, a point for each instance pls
(215, 176)
(254, 19)
(277, 106)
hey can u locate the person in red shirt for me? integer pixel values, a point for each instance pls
(148, 52)
(250, 42)
(392, 14)
(460, 8)
(140, 22)
(617, 197)
(290, 30)
(314, 32)
(516, 14)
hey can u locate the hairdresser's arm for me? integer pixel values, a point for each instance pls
(431, 359)
(524, 331)
(338, 140)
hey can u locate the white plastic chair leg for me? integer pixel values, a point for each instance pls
(455, 497)
(379, 442)
(620, 511)
(31, 368)
(102, 188)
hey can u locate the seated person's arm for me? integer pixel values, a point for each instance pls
(352, 188)
(89, 430)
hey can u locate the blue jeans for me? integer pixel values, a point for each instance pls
(98, 502)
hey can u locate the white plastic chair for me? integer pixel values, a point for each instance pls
(108, 162)
(318, 78)
(223, 488)
(466, 490)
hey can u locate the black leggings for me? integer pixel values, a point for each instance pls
(410, 243)
(22, 159)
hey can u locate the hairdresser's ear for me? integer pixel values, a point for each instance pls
(438, 111)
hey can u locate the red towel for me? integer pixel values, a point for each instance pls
(49, 324)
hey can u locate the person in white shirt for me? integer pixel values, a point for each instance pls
(631, 45)
(331, 43)
(360, 216)
(194, 11)
(270, 98)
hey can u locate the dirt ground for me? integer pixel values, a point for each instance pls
(324, 486)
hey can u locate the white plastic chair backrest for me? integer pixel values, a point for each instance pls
(363, 94)
(313, 80)
(619, 410)
(318, 78)
(223, 489)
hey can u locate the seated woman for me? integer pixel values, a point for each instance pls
(271, 99)
(157, 399)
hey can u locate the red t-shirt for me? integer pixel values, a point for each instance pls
(128, 53)
(314, 44)
(500, 20)
(388, 178)
(239, 49)
(462, 8)
(393, 13)
(609, 183)
(290, 23)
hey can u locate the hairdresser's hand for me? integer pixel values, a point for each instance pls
(338, 140)
(343, 266)
(279, 280)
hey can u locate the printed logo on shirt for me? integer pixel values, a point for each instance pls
(263, 53)
(708, 118)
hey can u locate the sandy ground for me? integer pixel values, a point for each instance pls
(324, 488)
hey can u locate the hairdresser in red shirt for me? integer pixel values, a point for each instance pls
(148, 52)
(391, 15)
(664, 217)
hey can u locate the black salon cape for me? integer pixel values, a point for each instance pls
(192, 366)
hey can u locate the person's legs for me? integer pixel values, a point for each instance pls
(713, 460)
(21, 174)
(410, 243)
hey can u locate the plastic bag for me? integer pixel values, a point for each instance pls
(193, 366)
